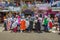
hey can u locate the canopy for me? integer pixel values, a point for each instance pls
(27, 11)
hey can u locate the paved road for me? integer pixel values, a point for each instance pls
(29, 36)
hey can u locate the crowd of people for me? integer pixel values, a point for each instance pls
(35, 23)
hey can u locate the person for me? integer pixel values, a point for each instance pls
(38, 26)
(56, 22)
(14, 25)
(18, 24)
(30, 28)
(23, 24)
(59, 23)
(45, 24)
(27, 24)
(9, 23)
(5, 25)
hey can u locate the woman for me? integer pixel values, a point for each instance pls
(9, 23)
(50, 23)
(22, 25)
(18, 24)
(14, 25)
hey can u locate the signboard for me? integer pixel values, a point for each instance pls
(43, 5)
(16, 9)
(55, 8)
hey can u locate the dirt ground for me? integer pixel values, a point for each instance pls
(29, 36)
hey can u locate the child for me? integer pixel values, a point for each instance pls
(8, 24)
(50, 24)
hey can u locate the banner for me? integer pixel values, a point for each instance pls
(16, 9)
(55, 8)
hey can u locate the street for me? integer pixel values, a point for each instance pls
(6, 35)
(29, 36)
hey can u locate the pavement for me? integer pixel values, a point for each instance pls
(6, 35)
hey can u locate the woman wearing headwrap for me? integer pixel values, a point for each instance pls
(18, 24)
